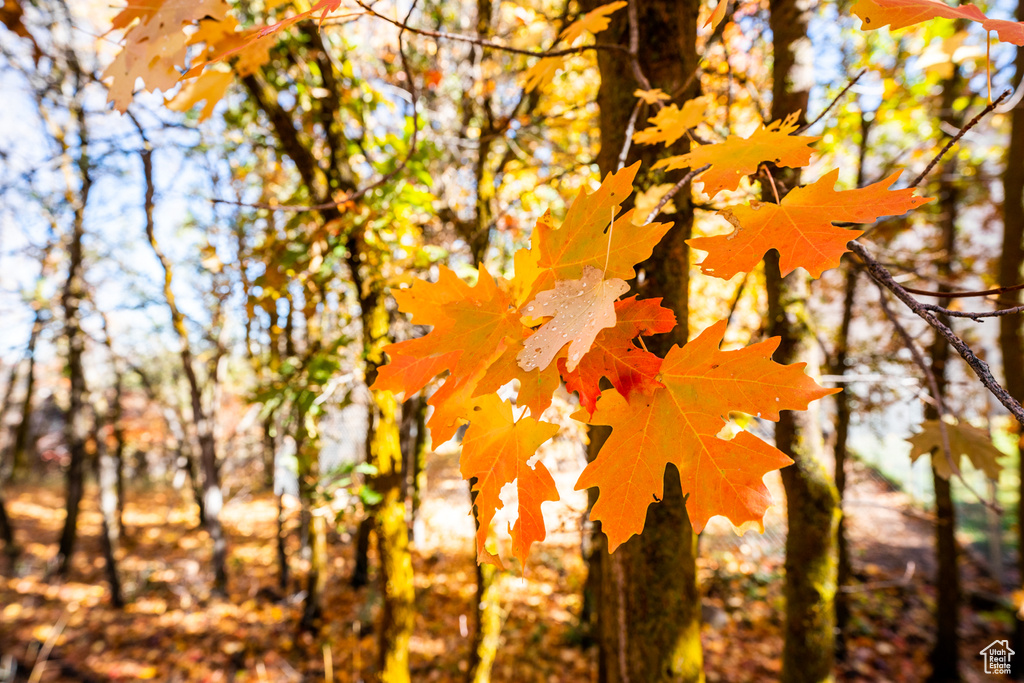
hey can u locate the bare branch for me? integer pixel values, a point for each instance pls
(672, 193)
(956, 138)
(835, 100)
(444, 35)
(980, 367)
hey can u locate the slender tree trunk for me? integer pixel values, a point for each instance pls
(361, 569)
(213, 496)
(307, 454)
(812, 506)
(945, 656)
(11, 549)
(270, 466)
(106, 476)
(1011, 327)
(23, 442)
(76, 429)
(415, 452)
(645, 595)
(842, 422)
(384, 453)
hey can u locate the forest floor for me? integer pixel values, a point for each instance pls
(173, 630)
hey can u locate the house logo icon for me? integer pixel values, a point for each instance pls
(997, 657)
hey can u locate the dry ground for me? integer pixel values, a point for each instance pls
(174, 631)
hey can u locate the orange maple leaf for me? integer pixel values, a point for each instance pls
(471, 326)
(737, 157)
(801, 226)
(496, 450)
(680, 424)
(899, 14)
(615, 356)
(671, 123)
(583, 240)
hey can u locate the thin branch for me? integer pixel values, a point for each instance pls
(973, 315)
(956, 138)
(835, 100)
(444, 35)
(630, 127)
(358, 194)
(672, 193)
(933, 387)
(634, 47)
(965, 295)
(980, 367)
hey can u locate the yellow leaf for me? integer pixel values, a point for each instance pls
(964, 439)
(209, 87)
(737, 157)
(541, 73)
(671, 123)
(651, 96)
(595, 21)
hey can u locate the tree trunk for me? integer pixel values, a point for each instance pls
(842, 423)
(361, 568)
(270, 469)
(213, 496)
(1011, 327)
(945, 656)
(23, 442)
(645, 595)
(307, 454)
(76, 427)
(11, 549)
(812, 506)
(106, 476)
(384, 454)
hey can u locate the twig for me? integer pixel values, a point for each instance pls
(956, 138)
(973, 315)
(980, 367)
(940, 403)
(444, 35)
(964, 295)
(672, 193)
(835, 100)
(634, 47)
(630, 127)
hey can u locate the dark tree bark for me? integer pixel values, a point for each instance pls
(842, 423)
(812, 506)
(11, 549)
(645, 595)
(945, 655)
(1011, 327)
(76, 430)
(23, 442)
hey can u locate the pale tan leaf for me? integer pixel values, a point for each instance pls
(580, 309)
